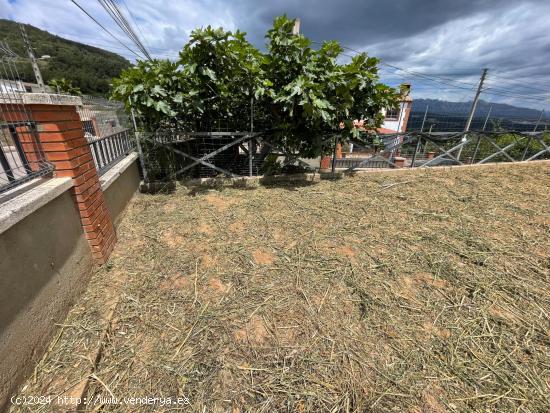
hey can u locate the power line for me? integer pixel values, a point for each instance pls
(493, 90)
(106, 30)
(96, 43)
(116, 14)
(514, 95)
(441, 80)
(519, 84)
(135, 22)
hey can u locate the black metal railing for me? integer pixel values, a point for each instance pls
(21, 157)
(108, 150)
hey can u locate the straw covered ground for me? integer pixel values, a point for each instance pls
(413, 292)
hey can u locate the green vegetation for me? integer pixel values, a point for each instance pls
(299, 92)
(64, 86)
(88, 68)
(522, 146)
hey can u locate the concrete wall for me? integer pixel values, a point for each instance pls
(45, 263)
(121, 189)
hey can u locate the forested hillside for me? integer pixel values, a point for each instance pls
(89, 68)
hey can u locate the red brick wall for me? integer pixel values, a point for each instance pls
(64, 144)
(62, 139)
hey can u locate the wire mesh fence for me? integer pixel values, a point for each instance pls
(107, 129)
(424, 149)
(21, 154)
(171, 155)
(429, 119)
(175, 154)
(459, 148)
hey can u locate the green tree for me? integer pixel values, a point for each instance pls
(311, 93)
(300, 93)
(64, 86)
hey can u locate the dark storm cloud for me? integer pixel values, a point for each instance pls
(455, 39)
(357, 23)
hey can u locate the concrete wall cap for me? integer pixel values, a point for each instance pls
(16, 209)
(40, 99)
(51, 99)
(112, 174)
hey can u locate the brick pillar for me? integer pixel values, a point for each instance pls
(61, 135)
(399, 162)
(325, 162)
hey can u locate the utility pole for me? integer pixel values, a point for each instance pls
(476, 99)
(472, 111)
(34, 64)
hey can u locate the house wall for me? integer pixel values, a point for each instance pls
(400, 124)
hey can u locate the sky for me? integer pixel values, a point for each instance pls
(439, 46)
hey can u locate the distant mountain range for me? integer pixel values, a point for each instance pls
(446, 116)
(89, 68)
(499, 110)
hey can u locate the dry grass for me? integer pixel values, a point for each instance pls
(361, 295)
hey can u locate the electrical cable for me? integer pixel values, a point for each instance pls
(103, 27)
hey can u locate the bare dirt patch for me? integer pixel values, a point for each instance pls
(171, 238)
(237, 227)
(209, 261)
(254, 331)
(178, 282)
(262, 257)
(219, 202)
(345, 251)
(216, 286)
(205, 229)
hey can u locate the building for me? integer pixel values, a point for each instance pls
(18, 86)
(396, 120)
(11, 86)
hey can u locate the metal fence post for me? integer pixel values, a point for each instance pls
(476, 149)
(416, 149)
(336, 141)
(251, 150)
(138, 146)
(424, 119)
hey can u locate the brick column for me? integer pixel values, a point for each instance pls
(325, 162)
(399, 162)
(62, 137)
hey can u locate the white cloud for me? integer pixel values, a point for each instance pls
(449, 39)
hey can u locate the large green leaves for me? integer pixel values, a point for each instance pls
(299, 91)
